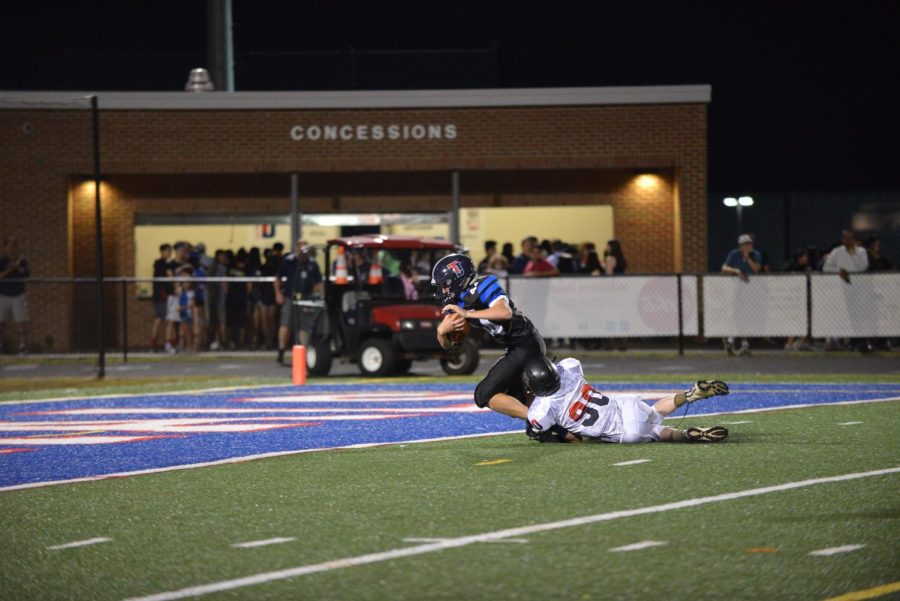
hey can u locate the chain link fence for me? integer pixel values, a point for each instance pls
(669, 309)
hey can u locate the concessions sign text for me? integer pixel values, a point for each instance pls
(346, 133)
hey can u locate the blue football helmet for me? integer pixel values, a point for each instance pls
(450, 276)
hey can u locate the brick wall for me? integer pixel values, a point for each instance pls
(225, 162)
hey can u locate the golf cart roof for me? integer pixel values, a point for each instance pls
(394, 242)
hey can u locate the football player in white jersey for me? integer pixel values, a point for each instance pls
(565, 408)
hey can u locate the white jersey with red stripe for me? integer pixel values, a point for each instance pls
(576, 406)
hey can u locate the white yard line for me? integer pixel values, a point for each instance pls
(374, 444)
(783, 407)
(347, 562)
(81, 543)
(632, 462)
(745, 421)
(80, 396)
(638, 546)
(262, 543)
(836, 550)
(189, 466)
(849, 423)
(437, 540)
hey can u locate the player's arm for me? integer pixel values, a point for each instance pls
(452, 321)
(499, 310)
(542, 427)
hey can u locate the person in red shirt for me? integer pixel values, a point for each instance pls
(538, 266)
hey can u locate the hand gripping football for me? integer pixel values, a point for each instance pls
(457, 336)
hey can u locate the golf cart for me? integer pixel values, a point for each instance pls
(368, 320)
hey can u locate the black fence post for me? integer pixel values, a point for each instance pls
(124, 321)
(808, 308)
(680, 320)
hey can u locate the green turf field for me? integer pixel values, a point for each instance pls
(176, 529)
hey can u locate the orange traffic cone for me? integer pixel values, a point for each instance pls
(375, 276)
(340, 267)
(298, 365)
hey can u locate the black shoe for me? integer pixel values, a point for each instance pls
(713, 434)
(280, 357)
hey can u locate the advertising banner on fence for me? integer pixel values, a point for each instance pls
(760, 306)
(867, 306)
(597, 307)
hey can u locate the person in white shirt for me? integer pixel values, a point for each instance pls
(848, 258)
(566, 408)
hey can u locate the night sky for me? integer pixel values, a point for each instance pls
(805, 94)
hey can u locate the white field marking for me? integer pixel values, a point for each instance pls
(262, 543)
(243, 459)
(632, 462)
(70, 440)
(437, 540)
(836, 550)
(236, 424)
(468, 408)
(638, 546)
(745, 421)
(146, 394)
(129, 368)
(452, 543)
(783, 407)
(849, 423)
(80, 543)
(398, 396)
(25, 367)
(221, 389)
(230, 366)
(355, 446)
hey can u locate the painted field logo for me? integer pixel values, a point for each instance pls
(43, 442)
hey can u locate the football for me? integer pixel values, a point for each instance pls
(457, 336)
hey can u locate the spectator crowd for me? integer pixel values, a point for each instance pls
(844, 257)
(191, 313)
(194, 313)
(549, 258)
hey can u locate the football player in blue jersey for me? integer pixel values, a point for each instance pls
(481, 300)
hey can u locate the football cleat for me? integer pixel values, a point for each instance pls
(713, 434)
(703, 389)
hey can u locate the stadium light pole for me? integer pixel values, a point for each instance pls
(101, 349)
(739, 203)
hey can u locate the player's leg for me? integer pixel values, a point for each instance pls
(503, 380)
(639, 421)
(702, 389)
